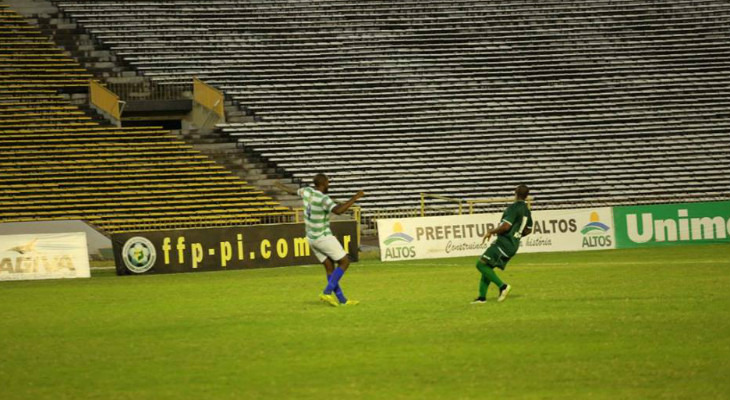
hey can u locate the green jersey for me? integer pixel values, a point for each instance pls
(520, 217)
(317, 209)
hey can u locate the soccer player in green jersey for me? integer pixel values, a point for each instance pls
(516, 222)
(318, 207)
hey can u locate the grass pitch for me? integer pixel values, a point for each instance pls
(634, 324)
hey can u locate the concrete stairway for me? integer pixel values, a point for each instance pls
(255, 171)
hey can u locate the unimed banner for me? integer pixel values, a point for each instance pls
(672, 224)
(461, 235)
(44, 256)
(215, 249)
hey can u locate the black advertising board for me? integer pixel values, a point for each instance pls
(216, 249)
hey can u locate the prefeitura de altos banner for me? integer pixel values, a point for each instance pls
(44, 256)
(215, 249)
(461, 235)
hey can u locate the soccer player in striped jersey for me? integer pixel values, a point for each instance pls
(516, 222)
(318, 207)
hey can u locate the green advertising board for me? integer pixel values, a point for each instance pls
(672, 224)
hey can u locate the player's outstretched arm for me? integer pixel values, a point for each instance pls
(285, 188)
(341, 208)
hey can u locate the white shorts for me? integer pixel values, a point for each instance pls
(327, 246)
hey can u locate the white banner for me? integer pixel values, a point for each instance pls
(44, 256)
(461, 235)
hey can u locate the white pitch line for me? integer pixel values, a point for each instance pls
(672, 262)
(547, 264)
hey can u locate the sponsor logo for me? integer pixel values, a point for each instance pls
(139, 254)
(595, 226)
(26, 248)
(546, 227)
(214, 249)
(396, 244)
(595, 233)
(682, 228)
(31, 260)
(398, 236)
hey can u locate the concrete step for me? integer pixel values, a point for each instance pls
(259, 179)
(87, 53)
(99, 53)
(87, 50)
(66, 25)
(203, 139)
(97, 71)
(255, 166)
(126, 73)
(267, 182)
(102, 65)
(217, 148)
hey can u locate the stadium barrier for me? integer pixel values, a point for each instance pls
(44, 256)
(672, 224)
(461, 235)
(216, 249)
(147, 90)
(575, 229)
(457, 206)
(453, 206)
(106, 101)
(210, 98)
(492, 205)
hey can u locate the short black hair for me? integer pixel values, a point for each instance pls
(522, 191)
(319, 179)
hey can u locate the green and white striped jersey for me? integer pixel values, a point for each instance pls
(317, 209)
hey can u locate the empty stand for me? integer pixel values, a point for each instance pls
(56, 163)
(589, 102)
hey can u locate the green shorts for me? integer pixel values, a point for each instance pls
(495, 257)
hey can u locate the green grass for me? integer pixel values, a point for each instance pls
(636, 324)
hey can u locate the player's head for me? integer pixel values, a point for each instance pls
(321, 182)
(521, 192)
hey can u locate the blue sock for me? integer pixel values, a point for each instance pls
(338, 292)
(334, 280)
(340, 296)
